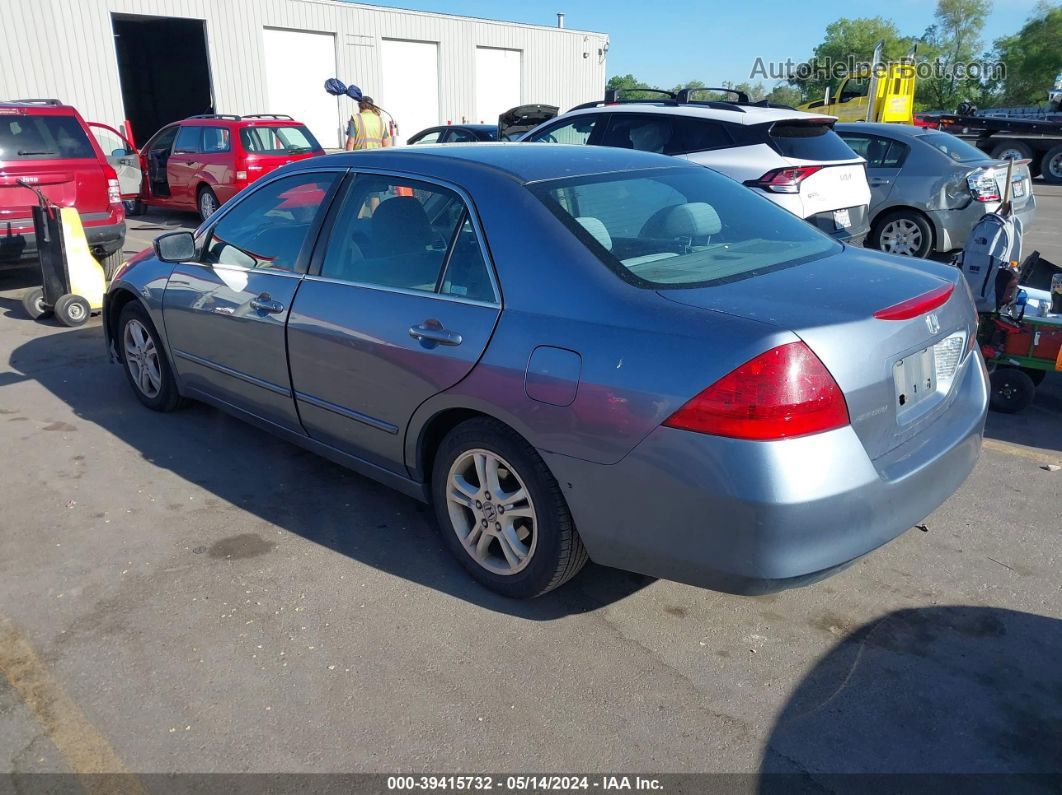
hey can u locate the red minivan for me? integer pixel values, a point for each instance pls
(203, 161)
(47, 144)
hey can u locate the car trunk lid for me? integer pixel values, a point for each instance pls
(887, 369)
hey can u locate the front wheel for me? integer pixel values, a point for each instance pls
(146, 365)
(903, 232)
(1012, 390)
(72, 310)
(502, 513)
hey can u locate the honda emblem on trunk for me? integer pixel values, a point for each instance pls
(932, 323)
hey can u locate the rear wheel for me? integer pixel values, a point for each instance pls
(146, 365)
(1012, 390)
(502, 513)
(33, 303)
(72, 310)
(903, 232)
(1051, 165)
(1012, 150)
(110, 263)
(207, 202)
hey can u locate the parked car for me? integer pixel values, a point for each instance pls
(47, 144)
(456, 134)
(795, 159)
(572, 352)
(928, 188)
(203, 161)
(516, 121)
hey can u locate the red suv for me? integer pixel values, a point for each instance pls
(47, 144)
(203, 161)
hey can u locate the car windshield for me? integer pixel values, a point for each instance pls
(955, 148)
(24, 137)
(682, 227)
(279, 140)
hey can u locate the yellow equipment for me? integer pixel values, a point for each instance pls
(72, 281)
(882, 92)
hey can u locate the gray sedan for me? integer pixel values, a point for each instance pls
(572, 353)
(928, 188)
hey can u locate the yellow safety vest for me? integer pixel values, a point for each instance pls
(368, 130)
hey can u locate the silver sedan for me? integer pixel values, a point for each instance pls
(572, 353)
(928, 188)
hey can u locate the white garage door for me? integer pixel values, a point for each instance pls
(497, 82)
(410, 90)
(297, 64)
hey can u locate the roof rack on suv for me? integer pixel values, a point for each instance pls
(684, 96)
(32, 101)
(268, 116)
(231, 116)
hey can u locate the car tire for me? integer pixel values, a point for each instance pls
(133, 207)
(111, 263)
(525, 556)
(1051, 165)
(72, 310)
(1012, 390)
(149, 373)
(1012, 150)
(904, 232)
(207, 202)
(33, 303)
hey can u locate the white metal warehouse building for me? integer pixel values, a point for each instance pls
(154, 61)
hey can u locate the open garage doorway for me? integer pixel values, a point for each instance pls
(164, 70)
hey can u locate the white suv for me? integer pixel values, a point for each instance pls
(795, 159)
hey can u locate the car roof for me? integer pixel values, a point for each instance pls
(242, 121)
(886, 129)
(522, 162)
(740, 114)
(44, 107)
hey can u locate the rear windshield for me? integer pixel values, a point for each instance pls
(955, 148)
(809, 141)
(680, 227)
(280, 140)
(43, 138)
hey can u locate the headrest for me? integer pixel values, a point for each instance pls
(693, 220)
(596, 229)
(400, 225)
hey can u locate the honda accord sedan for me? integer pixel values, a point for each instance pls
(572, 353)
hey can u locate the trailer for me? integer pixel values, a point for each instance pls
(1036, 140)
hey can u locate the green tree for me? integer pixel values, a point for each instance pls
(783, 94)
(851, 40)
(955, 38)
(1032, 57)
(628, 82)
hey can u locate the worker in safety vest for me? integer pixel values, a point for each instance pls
(366, 128)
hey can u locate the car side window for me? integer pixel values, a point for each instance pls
(460, 136)
(429, 138)
(644, 133)
(860, 144)
(896, 154)
(879, 152)
(216, 140)
(268, 228)
(699, 135)
(576, 130)
(188, 141)
(401, 233)
(163, 141)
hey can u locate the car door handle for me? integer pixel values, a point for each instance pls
(878, 181)
(264, 303)
(189, 162)
(432, 331)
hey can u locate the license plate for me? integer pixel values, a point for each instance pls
(927, 372)
(1018, 187)
(841, 218)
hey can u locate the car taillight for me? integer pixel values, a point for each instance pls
(983, 186)
(919, 305)
(784, 180)
(782, 393)
(114, 192)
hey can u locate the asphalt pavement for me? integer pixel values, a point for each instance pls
(187, 593)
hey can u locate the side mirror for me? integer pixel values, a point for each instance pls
(175, 247)
(120, 153)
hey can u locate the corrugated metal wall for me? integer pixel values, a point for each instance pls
(65, 49)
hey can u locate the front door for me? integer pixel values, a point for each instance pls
(225, 313)
(155, 158)
(122, 156)
(398, 307)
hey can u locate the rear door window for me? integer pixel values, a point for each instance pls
(700, 135)
(42, 137)
(188, 141)
(576, 130)
(216, 140)
(645, 133)
(802, 140)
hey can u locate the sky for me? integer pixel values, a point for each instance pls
(673, 42)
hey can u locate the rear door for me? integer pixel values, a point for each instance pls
(884, 157)
(225, 312)
(183, 165)
(121, 155)
(398, 306)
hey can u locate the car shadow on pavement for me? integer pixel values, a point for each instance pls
(281, 483)
(1039, 425)
(950, 689)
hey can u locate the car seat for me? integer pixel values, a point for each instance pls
(692, 224)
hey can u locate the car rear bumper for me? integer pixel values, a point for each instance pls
(755, 517)
(854, 234)
(952, 227)
(18, 245)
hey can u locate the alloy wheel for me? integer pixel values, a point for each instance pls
(142, 359)
(207, 204)
(1054, 166)
(901, 236)
(491, 512)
